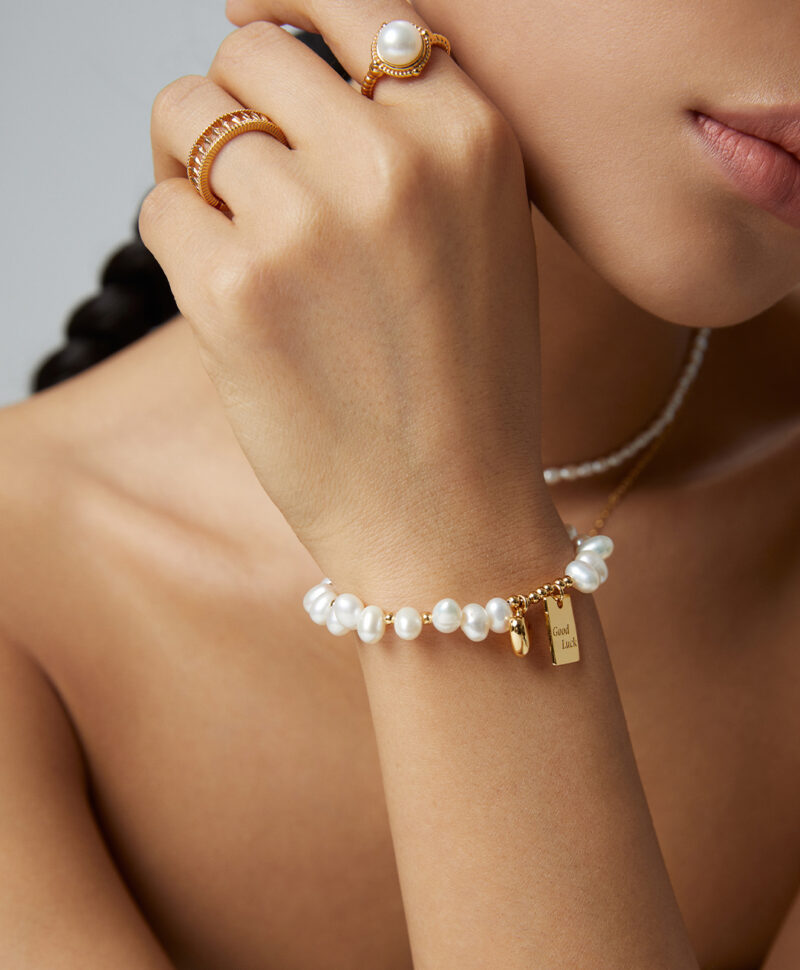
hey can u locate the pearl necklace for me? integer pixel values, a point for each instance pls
(690, 370)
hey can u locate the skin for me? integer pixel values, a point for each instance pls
(219, 727)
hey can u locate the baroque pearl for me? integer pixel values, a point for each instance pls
(347, 607)
(499, 613)
(332, 623)
(446, 615)
(407, 623)
(597, 564)
(371, 624)
(320, 607)
(602, 545)
(399, 43)
(475, 621)
(581, 573)
(314, 592)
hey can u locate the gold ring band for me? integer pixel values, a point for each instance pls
(219, 133)
(382, 66)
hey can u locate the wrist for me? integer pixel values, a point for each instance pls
(466, 550)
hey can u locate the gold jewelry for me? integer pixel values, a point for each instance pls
(219, 133)
(400, 48)
(345, 612)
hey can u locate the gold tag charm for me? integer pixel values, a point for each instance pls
(561, 630)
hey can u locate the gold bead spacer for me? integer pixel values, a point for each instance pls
(388, 618)
(426, 617)
(518, 603)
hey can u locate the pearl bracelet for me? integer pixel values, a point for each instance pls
(344, 612)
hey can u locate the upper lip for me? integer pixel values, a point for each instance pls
(779, 124)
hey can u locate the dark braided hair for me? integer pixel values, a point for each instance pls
(135, 295)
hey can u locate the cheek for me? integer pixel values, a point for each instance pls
(599, 96)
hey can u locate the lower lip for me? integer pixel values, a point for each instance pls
(764, 173)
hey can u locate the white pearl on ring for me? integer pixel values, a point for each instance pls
(475, 621)
(407, 623)
(499, 613)
(399, 43)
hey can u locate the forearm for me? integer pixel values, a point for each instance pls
(521, 830)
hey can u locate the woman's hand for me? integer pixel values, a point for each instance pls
(368, 311)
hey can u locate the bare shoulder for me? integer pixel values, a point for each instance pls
(156, 590)
(131, 467)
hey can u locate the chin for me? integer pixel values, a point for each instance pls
(701, 287)
(687, 266)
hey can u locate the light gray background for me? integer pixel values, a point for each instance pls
(78, 81)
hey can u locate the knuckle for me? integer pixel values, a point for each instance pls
(246, 40)
(155, 204)
(397, 166)
(481, 137)
(233, 280)
(175, 94)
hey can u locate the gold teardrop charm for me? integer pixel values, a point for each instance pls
(519, 635)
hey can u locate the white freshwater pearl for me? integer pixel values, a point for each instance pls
(572, 532)
(597, 564)
(347, 607)
(446, 615)
(582, 574)
(371, 624)
(313, 593)
(333, 624)
(475, 621)
(602, 545)
(399, 43)
(499, 613)
(551, 476)
(320, 607)
(407, 623)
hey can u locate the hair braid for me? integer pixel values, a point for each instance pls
(134, 298)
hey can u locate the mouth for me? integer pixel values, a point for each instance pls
(759, 152)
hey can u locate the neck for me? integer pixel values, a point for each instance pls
(607, 365)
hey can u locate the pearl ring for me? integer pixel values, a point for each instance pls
(400, 48)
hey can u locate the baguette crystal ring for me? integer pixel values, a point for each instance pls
(400, 48)
(219, 133)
